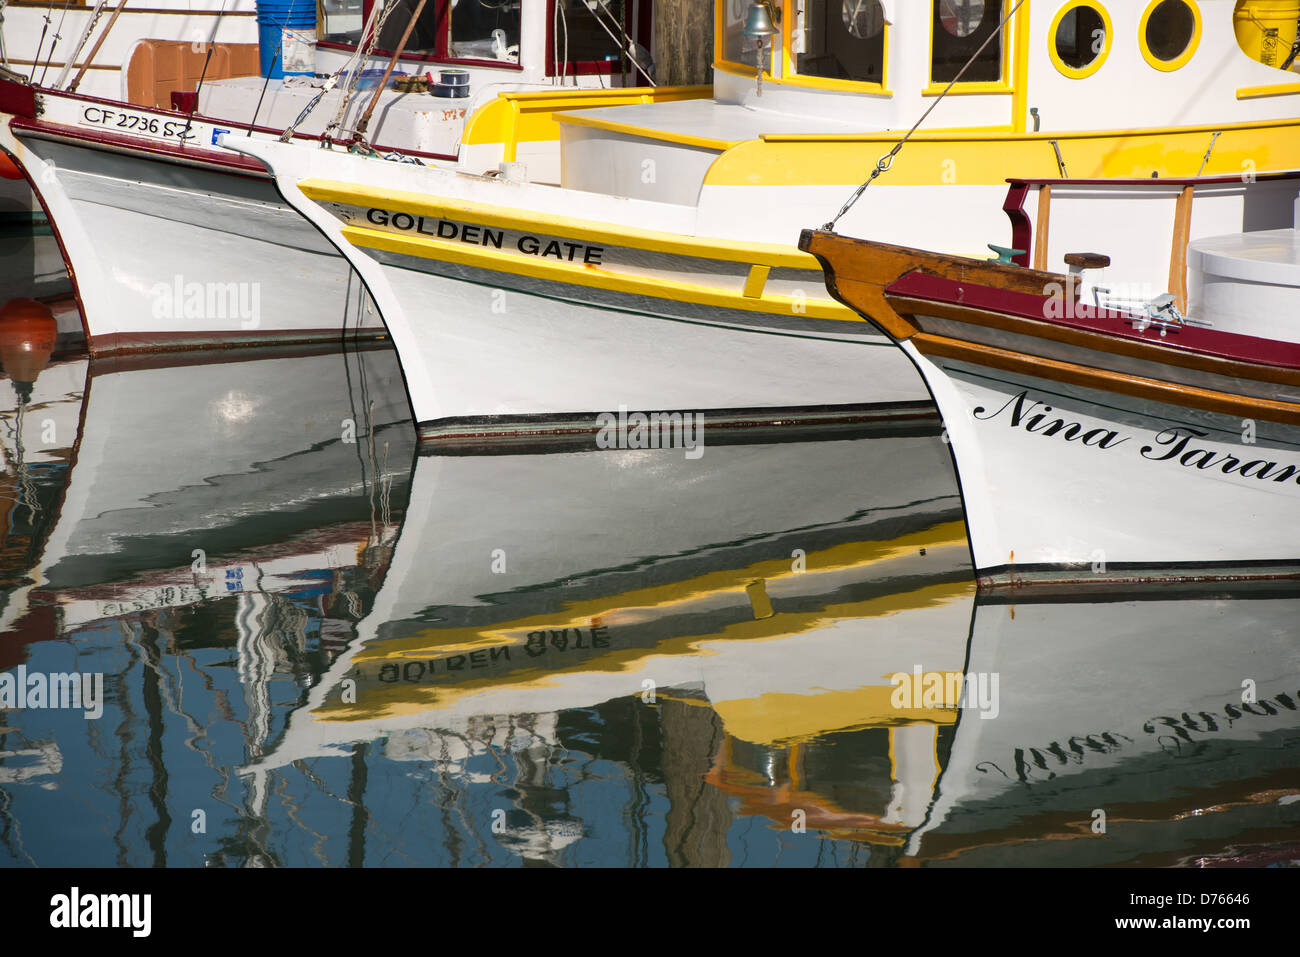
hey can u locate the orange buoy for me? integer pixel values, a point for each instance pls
(28, 335)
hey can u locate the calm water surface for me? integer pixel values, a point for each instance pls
(317, 648)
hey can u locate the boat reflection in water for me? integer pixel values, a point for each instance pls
(164, 513)
(621, 657)
(548, 613)
(1155, 731)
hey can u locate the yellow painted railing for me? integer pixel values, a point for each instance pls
(513, 118)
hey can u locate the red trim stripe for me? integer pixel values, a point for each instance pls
(1211, 342)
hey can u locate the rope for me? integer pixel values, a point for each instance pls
(370, 36)
(359, 134)
(76, 80)
(885, 162)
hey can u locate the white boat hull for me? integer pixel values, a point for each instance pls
(1138, 487)
(167, 253)
(481, 356)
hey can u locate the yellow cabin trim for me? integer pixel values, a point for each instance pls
(985, 159)
(1169, 66)
(513, 118)
(1080, 73)
(1020, 97)
(790, 76)
(1271, 89)
(976, 136)
(968, 89)
(828, 83)
(720, 47)
(1012, 34)
(646, 133)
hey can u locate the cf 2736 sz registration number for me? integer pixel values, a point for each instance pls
(138, 123)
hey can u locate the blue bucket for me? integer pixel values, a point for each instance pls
(286, 37)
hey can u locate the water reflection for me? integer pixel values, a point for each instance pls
(319, 649)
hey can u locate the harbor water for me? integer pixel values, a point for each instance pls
(246, 621)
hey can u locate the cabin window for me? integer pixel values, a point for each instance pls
(841, 40)
(342, 20)
(597, 33)
(594, 36)
(736, 47)
(453, 30)
(1169, 33)
(1079, 39)
(424, 36)
(485, 29)
(958, 30)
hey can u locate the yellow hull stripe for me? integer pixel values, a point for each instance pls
(399, 699)
(594, 277)
(674, 594)
(587, 231)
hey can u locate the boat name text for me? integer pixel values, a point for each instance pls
(485, 236)
(1171, 444)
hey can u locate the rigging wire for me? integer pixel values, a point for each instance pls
(212, 43)
(41, 42)
(58, 35)
(365, 47)
(885, 162)
(81, 43)
(629, 48)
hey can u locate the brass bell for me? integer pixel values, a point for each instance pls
(758, 21)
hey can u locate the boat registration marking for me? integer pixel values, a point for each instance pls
(139, 124)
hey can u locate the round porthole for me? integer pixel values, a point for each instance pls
(1169, 33)
(1080, 39)
(961, 18)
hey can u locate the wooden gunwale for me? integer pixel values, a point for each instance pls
(858, 273)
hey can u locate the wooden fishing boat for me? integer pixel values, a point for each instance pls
(120, 141)
(661, 272)
(1107, 440)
